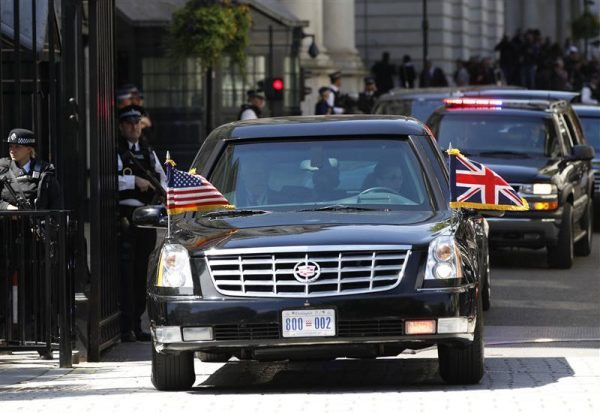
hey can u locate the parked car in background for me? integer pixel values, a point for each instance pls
(421, 102)
(538, 146)
(589, 115)
(352, 251)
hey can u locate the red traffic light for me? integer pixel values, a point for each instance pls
(277, 84)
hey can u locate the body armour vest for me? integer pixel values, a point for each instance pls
(24, 184)
(146, 159)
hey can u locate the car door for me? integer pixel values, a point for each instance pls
(577, 171)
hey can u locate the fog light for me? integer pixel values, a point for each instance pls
(545, 206)
(171, 334)
(197, 333)
(420, 327)
(453, 325)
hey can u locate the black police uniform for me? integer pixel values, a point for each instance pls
(36, 188)
(136, 244)
(33, 188)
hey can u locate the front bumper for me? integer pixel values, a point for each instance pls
(361, 320)
(525, 229)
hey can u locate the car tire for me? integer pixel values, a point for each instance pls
(173, 372)
(486, 288)
(464, 365)
(583, 247)
(561, 255)
(206, 357)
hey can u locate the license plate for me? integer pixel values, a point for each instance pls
(308, 323)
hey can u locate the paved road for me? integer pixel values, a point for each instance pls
(542, 348)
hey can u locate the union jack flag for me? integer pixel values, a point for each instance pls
(473, 185)
(190, 192)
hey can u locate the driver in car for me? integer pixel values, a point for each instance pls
(387, 175)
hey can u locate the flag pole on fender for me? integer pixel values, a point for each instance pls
(169, 164)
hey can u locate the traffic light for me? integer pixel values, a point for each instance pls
(273, 88)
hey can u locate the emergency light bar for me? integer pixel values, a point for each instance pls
(472, 102)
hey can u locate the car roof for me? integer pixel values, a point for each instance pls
(587, 110)
(524, 94)
(341, 125)
(432, 93)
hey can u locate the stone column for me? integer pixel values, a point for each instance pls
(338, 29)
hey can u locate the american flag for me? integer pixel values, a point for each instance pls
(473, 185)
(190, 192)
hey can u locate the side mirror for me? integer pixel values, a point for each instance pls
(150, 216)
(582, 153)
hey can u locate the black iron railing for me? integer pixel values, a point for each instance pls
(36, 283)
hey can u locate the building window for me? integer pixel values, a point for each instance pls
(234, 85)
(172, 85)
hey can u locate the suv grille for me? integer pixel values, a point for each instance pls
(346, 328)
(597, 181)
(307, 271)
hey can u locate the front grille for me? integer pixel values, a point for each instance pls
(270, 272)
(597, 181)
(265, 331)
(272, 331)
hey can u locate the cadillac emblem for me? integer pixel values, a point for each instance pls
(307, 271)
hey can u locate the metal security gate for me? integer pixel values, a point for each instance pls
(104, 310)
(56, 78)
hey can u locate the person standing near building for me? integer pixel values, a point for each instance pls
(322, 106)
(27, 182)
(252, 109)
(368, 97)
(432, 76)
(590, 92)
(335, 97)
(138, 167)
(407, 73)
(384, 71)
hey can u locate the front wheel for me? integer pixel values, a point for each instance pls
(173, 371)
(464, 365)
(561, 254)
(583, 247)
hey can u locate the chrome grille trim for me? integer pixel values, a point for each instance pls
(597, 181)
(344, 270)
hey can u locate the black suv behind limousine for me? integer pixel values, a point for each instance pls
(342, 245)
(537, 146)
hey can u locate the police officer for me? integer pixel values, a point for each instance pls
(368, 97)
(335, 98)
(252, 109)
(137, 166)
(26, 182)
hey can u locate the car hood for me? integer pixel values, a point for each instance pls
(276, 229)
(519, 170)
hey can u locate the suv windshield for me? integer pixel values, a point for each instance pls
(302, 174)
(481, 134)
(417, 108)
(591, 130)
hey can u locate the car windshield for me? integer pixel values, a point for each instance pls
(481, 134)
(366, 173)
(591, 129)
(417, 108)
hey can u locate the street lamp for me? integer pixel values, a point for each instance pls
(425, 27)
(313, 50)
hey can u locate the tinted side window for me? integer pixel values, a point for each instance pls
(566, 136)
(575, 128)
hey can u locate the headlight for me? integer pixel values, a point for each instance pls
(443, 259)
(174, 270)
(538, 189)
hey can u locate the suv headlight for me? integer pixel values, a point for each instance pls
(538, 189)
(174, 270)
(443, 259)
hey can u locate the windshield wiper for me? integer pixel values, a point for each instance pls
(340, 208)
(504, 153)
(233, 213)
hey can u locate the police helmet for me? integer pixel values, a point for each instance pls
(21, 137)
